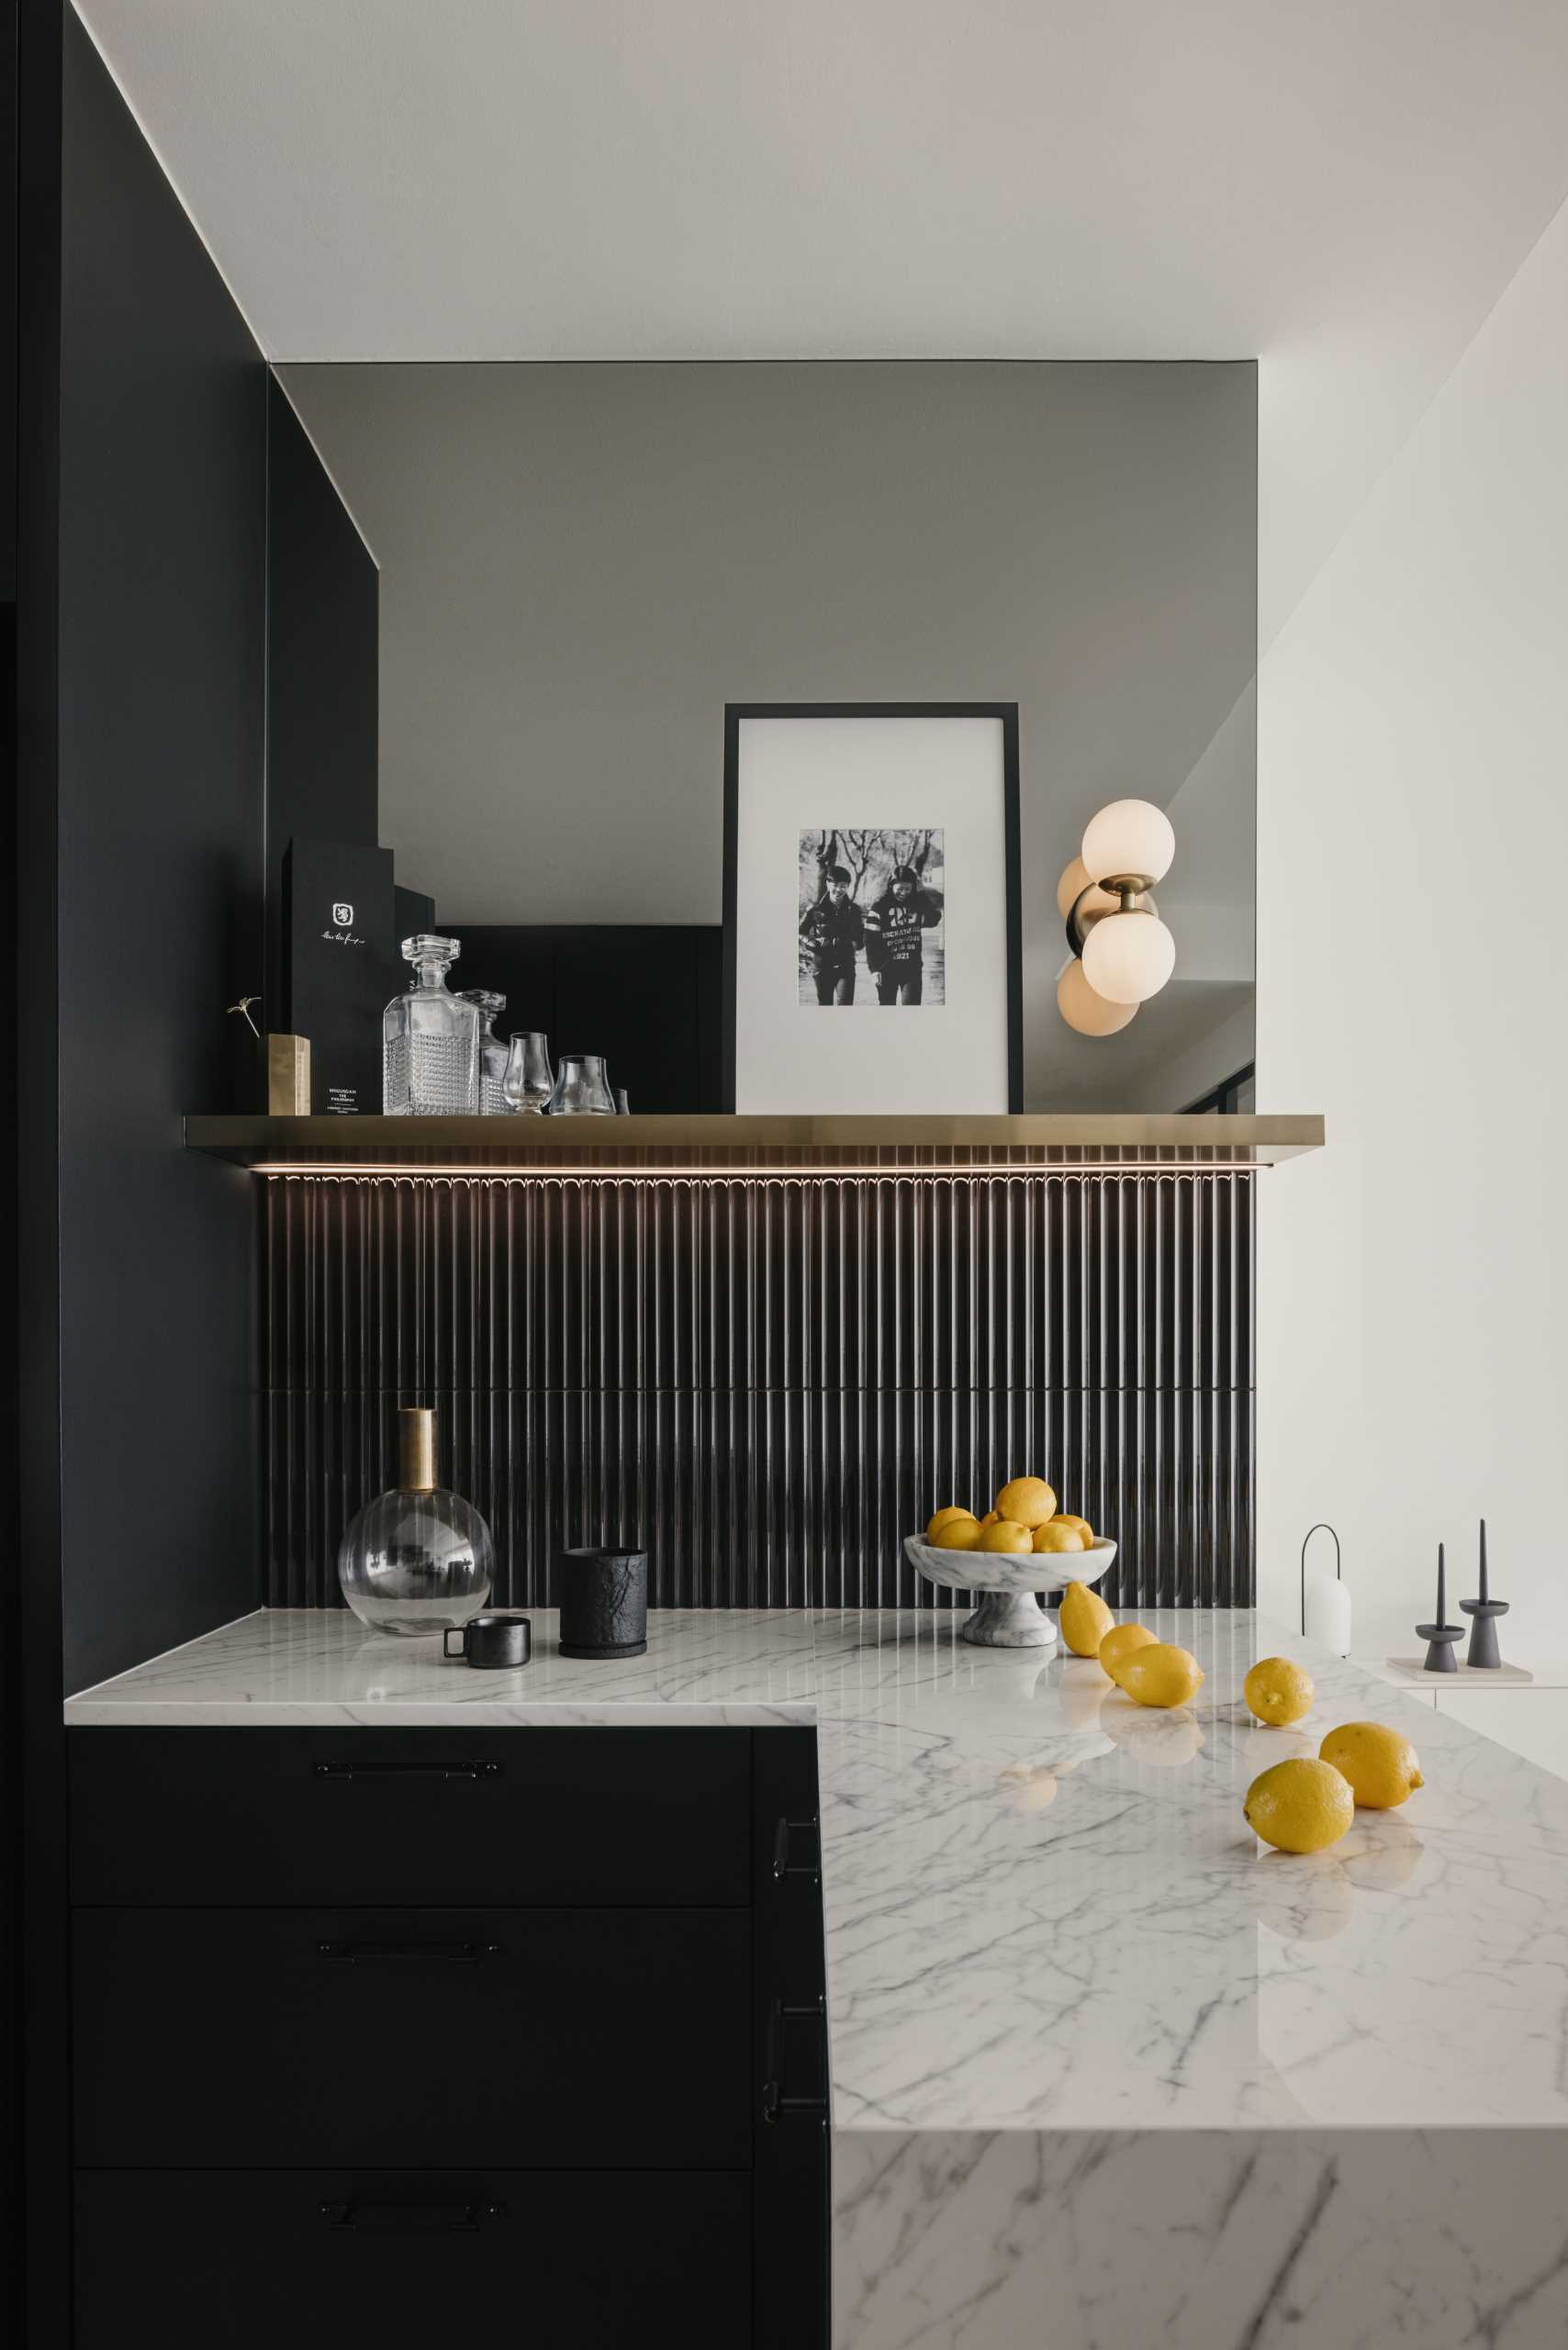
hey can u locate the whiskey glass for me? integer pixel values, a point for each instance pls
(529, 1082)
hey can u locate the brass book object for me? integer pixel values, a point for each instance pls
(289, 1077)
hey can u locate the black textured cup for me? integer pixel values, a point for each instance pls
(604, 1602)
(496, 1638)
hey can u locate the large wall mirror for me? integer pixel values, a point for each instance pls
(582, 567)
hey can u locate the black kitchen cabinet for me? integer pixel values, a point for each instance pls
(371, 2027)
(519, 2036)
(238, 1817)
(790, 2117)
(317, 2259)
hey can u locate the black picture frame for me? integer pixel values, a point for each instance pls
(1005, 711)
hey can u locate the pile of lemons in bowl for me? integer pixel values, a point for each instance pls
(1024, 1517)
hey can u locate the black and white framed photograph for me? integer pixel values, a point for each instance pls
(871, 866)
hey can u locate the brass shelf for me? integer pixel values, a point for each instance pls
(738, 1147)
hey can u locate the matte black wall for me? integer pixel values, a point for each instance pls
(163, 555)
(323, 606)
(11, 1643)
(767, 1383)
(648, 997)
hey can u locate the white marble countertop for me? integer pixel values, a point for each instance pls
(1044, 1911)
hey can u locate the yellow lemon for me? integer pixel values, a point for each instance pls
(1160, 1676)
(991, 1517)
(1279, 1691)
(946, 1518)
(1005, 1535)
(958, 1534)
(1301, 1805)
(1381, 1764)
(1027, 1500)
(1058, 1537)
(1085, 1619)
(1079, 1524)
(1118, 1645)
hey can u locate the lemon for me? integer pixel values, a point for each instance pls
(1118, 1645)
(958, 1534)
(1005, 1535)
(1381, 1764)
(1085, 1619)
(1057, 1536)
(949, 1516)
(1079, 1524)
(1160, 1676)
(991, 1517)
(1279, 1691)
(1301, 1805)
(1027, 1500)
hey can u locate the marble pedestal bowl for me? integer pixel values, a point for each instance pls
(1008, 1617)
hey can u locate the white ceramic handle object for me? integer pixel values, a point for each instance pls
(1328, 1614)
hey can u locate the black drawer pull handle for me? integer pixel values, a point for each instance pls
(408, 1770)
(369, 1954)
(407, 2219)
(775, 2104)
(783, 1865)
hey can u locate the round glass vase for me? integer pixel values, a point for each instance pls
(419, 1560)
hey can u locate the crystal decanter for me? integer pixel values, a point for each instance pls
(419, 1559)
(430, 1040)
(493, 1102)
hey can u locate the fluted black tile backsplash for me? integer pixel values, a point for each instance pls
(767, 1383)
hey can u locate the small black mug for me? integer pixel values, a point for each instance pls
(604, 1602)
(498, 1636)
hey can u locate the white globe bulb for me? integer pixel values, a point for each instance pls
(1083, 1010)
(1129, 958)
(1129, 836)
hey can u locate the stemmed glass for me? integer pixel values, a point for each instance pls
(529, 1082)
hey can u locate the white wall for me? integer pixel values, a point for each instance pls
(1413, 985)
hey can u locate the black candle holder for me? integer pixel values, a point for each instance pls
(1483, 1656)
(1440, 1637)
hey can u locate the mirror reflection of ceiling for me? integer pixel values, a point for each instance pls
(580, 565)
(1225, 179)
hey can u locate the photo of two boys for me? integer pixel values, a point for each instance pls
(871, 909)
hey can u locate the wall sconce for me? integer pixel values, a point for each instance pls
(1124, 952)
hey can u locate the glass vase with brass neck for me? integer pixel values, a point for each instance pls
(419, 1559)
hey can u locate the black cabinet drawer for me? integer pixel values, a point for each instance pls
(247, 2260)
(654, 1817)
(430, 2036)
(790, 2151)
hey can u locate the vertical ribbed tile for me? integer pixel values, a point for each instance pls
(769, 1382)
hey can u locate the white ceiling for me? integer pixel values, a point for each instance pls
(1341, 187)
(610, 178)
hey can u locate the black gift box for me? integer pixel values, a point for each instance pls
(340, 968)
